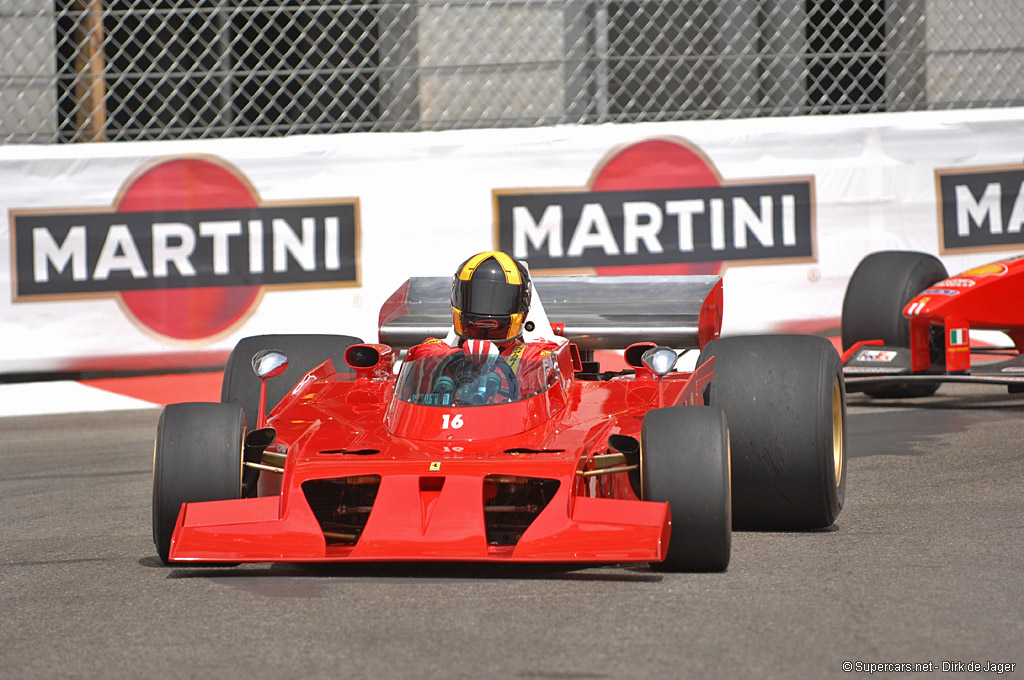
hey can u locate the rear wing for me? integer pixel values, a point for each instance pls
(594, 312)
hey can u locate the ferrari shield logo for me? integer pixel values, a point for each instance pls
(434, 467)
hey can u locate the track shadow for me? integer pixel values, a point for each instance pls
(418, 571)
(901, 427)
(993, 401)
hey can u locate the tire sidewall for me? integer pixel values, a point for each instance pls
(828, 382)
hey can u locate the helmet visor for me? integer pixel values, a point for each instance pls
(488, 297)
(487, 327)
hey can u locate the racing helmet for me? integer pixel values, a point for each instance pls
(490, 297)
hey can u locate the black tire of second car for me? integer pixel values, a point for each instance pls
(197, 456)
(785, 401)
(881, 286)
(685, 461)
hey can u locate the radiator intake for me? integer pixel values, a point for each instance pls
(342, 506)
(511, 504)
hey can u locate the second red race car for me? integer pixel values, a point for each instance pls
(907, 325)
(554, 461)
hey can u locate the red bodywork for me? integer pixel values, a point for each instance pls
(989, 297)
(435, 477)
(983, 298)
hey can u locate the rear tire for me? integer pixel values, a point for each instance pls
(879, 289)
(304, 352)
(197, 456)
(785, 401)
(685, 461)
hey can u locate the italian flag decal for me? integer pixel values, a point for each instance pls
(957, 337)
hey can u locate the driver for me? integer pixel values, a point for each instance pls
(491, 295)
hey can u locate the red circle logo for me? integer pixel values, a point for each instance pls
(189, 184)
(656, 164)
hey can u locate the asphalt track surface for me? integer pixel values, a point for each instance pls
(925, 565)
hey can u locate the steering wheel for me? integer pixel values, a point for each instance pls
(454, 367)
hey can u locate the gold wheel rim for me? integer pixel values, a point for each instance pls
(241, 461)
(643, 492)
(837, 431)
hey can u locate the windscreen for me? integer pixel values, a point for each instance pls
(459, 380)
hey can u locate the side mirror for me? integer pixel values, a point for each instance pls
(661, 360)
(269, 362)
(266, 364)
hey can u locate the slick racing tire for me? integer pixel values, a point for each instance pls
(304, 352)
(879, 289)
(785, 401)
(197, 456)
(684, 459)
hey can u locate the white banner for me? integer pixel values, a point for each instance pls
(163, 254)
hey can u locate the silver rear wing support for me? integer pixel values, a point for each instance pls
(598, 312)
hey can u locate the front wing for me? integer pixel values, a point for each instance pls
(402, 527)
(868, 364)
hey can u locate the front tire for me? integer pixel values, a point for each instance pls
(685, 461)
(197, 456)
(785, 400)
(879, 289)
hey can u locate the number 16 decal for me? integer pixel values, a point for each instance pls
(455, 422)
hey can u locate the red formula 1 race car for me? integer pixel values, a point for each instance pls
(555, 461)
(907, 325)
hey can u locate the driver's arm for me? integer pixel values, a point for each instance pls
(533, 382)
(431, 347)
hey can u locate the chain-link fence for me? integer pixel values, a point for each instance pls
(93, 70)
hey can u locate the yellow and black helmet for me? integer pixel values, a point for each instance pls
(490, 297)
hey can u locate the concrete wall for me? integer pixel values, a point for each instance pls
(509, 61)
(459, 63)
(992, 33)
(28, 95)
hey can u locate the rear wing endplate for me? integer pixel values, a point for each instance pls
(598, 312)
